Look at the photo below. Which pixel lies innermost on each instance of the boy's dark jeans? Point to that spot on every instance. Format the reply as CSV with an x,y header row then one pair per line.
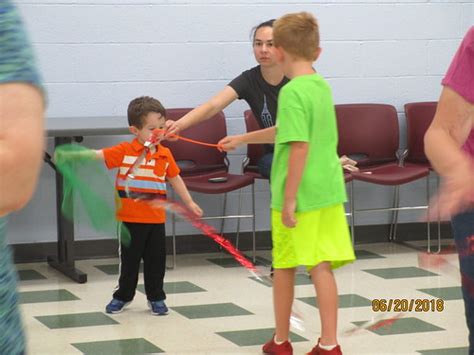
x,y
147,243
463,229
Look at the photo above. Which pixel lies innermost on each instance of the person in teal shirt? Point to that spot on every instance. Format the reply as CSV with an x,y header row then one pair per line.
x,y
21,151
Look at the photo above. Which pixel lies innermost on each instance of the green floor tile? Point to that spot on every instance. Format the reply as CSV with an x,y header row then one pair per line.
x,y
227,262
252,337
365,254
445,293
118,347
46,296
112,269
30,275
400,272
176,287
211,310
345,301
402,326
446,351
76,320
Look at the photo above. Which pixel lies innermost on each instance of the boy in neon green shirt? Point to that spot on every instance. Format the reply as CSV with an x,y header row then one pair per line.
x,y
308,220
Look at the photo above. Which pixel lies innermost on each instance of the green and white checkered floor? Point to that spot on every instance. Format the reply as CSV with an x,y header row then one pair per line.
x,y
217,307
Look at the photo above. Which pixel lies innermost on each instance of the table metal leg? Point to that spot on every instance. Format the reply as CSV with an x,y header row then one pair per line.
x,y
64,262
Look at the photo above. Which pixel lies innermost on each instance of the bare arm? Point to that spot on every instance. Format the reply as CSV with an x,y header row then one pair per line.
x,y
452,124
450,128
21,144
178,185
208,109
296,165
267,135
262,136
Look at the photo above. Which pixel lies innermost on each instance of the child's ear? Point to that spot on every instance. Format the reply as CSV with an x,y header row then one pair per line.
x,y
317,53
133,130
280,55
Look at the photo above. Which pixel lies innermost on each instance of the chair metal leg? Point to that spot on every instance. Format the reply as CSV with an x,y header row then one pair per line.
x,y
393,225
428,221
395,222
439,219
238,220
173,229
253,224
351,208
173,238
223,214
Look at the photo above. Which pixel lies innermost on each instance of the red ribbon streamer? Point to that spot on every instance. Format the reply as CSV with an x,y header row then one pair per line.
x,y
159,133
374,324
207,230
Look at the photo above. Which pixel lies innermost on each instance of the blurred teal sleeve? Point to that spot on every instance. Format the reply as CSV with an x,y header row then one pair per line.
x,y
17,62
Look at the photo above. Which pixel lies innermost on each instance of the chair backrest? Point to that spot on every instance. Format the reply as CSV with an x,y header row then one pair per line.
x,y
193,158
254,151
368,133
419,116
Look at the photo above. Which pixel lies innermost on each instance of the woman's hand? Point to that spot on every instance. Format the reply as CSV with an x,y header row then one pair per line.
x,y
230,143
456,193
172,129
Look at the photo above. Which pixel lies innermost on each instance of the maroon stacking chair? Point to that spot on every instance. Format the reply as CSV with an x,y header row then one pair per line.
x,y
419,116
249,164
199,164
254,151
369,133
191,160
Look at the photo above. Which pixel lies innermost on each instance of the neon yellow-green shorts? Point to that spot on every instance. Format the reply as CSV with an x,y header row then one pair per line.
x,y
319,235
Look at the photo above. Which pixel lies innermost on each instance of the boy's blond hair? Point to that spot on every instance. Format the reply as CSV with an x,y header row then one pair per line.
x,y
297,34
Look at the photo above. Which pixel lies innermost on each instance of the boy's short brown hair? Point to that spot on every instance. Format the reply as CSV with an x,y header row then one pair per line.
x,y
140,107
297,34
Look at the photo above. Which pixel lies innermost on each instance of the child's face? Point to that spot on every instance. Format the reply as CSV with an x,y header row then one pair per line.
x,y
152,121
263,45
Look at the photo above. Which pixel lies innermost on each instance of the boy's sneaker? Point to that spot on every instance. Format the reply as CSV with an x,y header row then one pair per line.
x,y
115,306
158,308
273,348
317,350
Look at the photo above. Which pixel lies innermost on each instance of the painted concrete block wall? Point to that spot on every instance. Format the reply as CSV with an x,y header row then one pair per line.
x,y
96,55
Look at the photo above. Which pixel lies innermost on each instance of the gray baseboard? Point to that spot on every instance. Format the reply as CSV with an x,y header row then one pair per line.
x,y
189,244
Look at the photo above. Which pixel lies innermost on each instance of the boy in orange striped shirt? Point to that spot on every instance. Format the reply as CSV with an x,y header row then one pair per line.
x,y
145,223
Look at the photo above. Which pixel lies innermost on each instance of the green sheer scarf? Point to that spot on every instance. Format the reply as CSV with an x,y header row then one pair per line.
x,y
89,194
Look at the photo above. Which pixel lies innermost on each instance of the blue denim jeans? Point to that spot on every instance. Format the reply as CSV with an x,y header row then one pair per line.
x,y
265,165
463,229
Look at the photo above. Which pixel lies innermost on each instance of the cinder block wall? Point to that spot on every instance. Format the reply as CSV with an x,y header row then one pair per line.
x,y
96,55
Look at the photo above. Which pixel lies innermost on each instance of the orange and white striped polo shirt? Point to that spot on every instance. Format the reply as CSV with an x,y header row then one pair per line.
x,y
150,178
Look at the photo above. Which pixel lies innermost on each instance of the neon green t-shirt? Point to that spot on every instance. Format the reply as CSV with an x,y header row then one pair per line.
x,y
306,114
